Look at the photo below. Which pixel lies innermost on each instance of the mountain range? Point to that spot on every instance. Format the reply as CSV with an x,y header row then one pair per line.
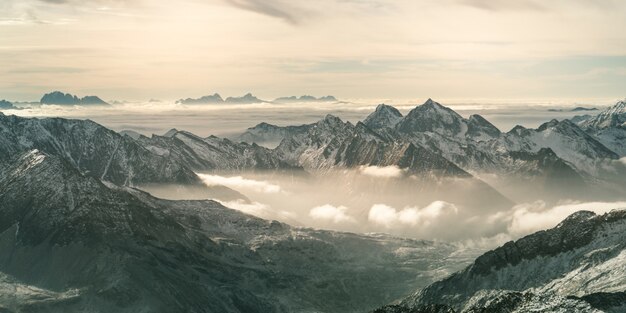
x,y
59,98
249,98
77,235
559,158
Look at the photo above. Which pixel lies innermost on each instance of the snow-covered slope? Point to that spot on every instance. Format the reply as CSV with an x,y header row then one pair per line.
x,y
91,148
201,154
70,242
565,138
269,135
578,266
385,116
609,127
614,116
432,117
333,143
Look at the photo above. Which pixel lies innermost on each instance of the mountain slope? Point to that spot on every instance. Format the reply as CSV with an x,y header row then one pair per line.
x,y
609,127
82,245
579,265
212,153
91,148
270,135
332,143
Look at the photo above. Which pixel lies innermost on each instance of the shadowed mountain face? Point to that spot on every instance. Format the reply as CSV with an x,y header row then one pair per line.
x,y
92,149
101,153
576,266
82,245
202,154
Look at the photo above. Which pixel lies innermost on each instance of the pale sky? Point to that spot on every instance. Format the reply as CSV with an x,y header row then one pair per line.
x,y
141,49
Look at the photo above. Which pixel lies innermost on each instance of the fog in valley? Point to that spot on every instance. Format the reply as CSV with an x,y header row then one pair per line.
x,y
388,200
486,210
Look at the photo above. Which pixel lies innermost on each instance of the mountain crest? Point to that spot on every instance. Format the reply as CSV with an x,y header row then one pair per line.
x,y
614,116
385,116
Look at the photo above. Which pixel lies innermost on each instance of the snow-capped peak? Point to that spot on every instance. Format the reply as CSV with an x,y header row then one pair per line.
x,y
614,116
383,116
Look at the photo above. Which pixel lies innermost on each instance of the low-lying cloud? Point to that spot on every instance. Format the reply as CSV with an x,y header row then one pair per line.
x,y
238,182
335,214
529,218
411,216
392,171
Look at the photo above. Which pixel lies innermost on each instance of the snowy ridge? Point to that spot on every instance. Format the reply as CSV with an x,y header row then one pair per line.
x,y
553,270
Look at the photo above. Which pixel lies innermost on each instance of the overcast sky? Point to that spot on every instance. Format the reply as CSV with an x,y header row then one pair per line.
x,y
140,49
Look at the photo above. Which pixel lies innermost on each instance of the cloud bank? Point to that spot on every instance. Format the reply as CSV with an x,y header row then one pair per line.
x,y
392,171
335,214
389,217
529,218
238,182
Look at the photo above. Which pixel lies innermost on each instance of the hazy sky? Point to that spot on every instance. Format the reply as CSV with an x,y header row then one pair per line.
x,y
140,49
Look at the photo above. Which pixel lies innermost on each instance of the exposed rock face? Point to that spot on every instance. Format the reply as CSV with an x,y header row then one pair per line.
x,y
59,98
268,134
578,265
202,154
332,143
92,149
384,116
608,127
614,116
73,243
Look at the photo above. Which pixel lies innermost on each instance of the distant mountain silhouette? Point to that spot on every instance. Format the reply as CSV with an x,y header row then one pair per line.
x,y
59,98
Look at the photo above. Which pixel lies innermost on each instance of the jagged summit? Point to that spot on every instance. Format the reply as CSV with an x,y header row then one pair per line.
x,y
432,117
60,98
614,116
385,116
170,133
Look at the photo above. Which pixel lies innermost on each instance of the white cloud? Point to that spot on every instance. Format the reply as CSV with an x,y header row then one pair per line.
x,y
525,219
332,213
238,182
388,216
623,160
391,171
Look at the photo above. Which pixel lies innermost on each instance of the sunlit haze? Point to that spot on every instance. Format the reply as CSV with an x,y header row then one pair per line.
x,y
141,49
